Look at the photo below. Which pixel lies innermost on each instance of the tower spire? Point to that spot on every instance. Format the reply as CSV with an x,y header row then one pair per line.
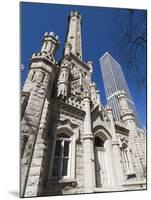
x,y
74,34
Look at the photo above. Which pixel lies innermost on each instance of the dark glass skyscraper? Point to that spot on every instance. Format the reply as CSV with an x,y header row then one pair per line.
x,y
114,80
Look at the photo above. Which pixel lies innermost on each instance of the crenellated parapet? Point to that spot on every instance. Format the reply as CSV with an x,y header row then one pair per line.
x,y
75,14
121,95
43,56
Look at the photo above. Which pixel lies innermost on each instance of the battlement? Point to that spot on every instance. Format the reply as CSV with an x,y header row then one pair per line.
x,y
121,93
75,13
52,35
43,55
127,115
120,124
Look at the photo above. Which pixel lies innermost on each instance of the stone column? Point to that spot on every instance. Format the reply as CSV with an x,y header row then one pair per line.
x,y
117,165
89,169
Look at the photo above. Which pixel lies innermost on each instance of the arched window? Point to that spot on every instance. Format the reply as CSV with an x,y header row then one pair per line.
x,y
128,167
61,163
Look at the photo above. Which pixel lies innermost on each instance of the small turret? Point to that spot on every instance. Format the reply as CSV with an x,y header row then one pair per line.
x,y
126,112
93,93
90,65
50,43
128,119
98,97
63,80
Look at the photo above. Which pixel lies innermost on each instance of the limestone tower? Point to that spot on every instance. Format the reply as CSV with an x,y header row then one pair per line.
x,y
74,33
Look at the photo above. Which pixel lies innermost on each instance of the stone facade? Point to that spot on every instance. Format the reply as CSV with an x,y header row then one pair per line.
x,y
70,142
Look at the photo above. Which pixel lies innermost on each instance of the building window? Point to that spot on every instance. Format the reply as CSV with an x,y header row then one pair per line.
x,y
128,166
61,163
126,161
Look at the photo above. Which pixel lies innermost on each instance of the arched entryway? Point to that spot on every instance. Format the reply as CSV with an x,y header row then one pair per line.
x,y
103,161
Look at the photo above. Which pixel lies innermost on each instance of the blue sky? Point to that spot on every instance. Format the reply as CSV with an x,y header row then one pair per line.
x,y
98,36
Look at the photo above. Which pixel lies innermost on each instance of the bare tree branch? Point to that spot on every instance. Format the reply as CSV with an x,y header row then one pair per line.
x,y
132,42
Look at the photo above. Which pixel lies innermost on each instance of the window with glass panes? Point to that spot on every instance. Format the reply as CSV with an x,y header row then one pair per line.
x,y
126,159
61,156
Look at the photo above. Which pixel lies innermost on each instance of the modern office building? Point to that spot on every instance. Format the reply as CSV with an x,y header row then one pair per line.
x,y
114,80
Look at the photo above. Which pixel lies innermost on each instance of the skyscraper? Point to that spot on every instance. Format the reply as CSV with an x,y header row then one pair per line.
x,y
114,80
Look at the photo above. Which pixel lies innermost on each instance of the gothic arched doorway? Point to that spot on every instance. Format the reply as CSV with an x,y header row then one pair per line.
x,y
102,163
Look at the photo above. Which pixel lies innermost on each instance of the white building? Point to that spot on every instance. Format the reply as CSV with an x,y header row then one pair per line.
x,y
114,80
69,140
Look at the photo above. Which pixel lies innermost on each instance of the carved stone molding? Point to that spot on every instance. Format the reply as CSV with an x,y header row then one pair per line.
x,y
66,124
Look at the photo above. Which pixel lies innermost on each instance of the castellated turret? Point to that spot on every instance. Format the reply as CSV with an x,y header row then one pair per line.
x,y
37,88
95,94
126,113
42,62
50,43
128,119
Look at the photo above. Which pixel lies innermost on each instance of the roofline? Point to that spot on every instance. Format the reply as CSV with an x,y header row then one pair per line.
x,y
106,53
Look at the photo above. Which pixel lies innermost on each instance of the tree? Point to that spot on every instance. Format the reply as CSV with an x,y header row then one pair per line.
x,y
131,40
